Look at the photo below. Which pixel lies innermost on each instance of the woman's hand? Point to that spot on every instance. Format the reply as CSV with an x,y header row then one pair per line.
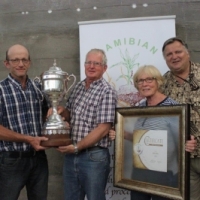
x,y
112,134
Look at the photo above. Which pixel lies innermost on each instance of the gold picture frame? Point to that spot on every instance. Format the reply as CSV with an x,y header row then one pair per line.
x,y
146,167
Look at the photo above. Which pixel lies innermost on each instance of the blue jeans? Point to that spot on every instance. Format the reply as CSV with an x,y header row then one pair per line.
x,y
15,173
85,174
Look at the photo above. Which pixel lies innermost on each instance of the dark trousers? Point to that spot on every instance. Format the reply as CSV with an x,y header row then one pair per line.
x,y
142,196
23,170
155,177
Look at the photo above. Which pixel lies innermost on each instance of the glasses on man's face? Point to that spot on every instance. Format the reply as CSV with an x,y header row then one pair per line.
x,y
17,61
96,64
147,80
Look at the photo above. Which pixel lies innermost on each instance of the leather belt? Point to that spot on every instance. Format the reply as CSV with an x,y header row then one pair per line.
x,y
93,149
20,154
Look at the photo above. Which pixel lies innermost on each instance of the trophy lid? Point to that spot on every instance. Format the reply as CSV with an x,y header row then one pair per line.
x,y
55,71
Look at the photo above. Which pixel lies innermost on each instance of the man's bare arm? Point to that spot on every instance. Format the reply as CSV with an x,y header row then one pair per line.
x,y
90,140
9,135
94,136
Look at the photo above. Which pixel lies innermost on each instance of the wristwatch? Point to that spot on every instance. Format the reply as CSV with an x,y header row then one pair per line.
x,y
75,149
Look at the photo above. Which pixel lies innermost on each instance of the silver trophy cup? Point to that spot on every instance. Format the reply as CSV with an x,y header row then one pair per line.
x,y
55,87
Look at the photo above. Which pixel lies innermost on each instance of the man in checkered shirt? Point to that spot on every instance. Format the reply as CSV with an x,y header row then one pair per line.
x,y
23,161
90,110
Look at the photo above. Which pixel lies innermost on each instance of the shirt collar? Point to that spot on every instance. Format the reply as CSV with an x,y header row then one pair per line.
x,y
93,84
17,83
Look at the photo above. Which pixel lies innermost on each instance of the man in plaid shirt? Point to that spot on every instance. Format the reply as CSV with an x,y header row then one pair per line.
x,y
23,161
90,110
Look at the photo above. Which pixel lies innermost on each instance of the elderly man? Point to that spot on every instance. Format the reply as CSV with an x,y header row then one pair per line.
x,y
22,160
182,83
90,110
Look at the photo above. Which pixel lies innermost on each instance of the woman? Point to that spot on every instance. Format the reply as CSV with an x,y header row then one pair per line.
x,y
148,81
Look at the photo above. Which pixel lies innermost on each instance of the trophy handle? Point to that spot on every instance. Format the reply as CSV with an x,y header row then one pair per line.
x,y
67,79
37,79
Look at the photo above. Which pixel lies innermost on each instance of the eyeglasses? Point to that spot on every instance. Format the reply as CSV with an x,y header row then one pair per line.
x,y
17,61
96,64
172,40
147,80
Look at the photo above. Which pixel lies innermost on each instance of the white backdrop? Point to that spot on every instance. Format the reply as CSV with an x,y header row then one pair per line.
x,y
128,43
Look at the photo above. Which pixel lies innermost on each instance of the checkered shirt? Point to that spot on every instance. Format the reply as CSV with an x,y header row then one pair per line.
x,y
90,107
20,111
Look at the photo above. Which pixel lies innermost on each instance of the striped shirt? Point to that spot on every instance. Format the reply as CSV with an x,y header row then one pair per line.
x,y
166,102
90,107
20,111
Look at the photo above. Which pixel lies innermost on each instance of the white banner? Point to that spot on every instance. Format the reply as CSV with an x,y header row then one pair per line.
x,y
128,43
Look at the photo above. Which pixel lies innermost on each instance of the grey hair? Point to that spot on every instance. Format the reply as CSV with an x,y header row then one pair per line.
x,y
171,41
102,52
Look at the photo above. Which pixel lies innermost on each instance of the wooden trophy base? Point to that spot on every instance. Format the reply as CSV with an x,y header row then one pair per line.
x,y
56,140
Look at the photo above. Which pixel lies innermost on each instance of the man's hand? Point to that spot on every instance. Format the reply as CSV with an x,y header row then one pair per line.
x,y
49,112
66,149
191,145
35,142
60,110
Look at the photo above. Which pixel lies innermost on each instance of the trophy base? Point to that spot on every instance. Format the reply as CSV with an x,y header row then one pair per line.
x,y
56,140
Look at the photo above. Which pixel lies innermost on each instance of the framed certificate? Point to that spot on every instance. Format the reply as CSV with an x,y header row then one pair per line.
x,y
150,154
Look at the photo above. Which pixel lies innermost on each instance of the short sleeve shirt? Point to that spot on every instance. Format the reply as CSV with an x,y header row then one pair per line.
x,y
90,107
183,94
20,111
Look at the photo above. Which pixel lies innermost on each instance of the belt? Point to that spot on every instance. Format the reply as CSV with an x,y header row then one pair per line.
x,y
20,154
93,149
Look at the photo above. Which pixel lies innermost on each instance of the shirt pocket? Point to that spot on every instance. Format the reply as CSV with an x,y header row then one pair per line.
x,y
89,113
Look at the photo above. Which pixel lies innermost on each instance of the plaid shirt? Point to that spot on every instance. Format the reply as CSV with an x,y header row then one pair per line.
x,y
20,111
90,107
183,94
